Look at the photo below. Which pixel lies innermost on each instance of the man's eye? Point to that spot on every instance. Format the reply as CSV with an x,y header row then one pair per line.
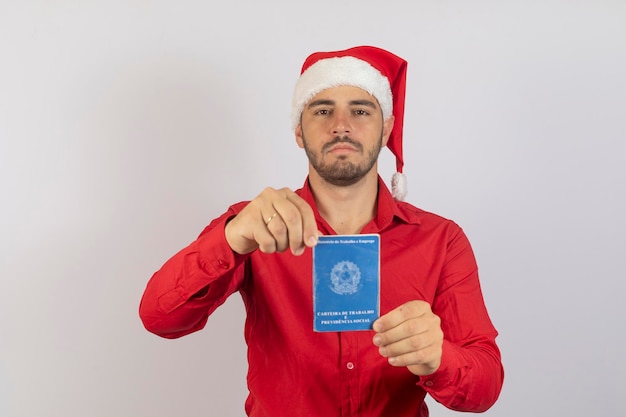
x,y
361,112
323,112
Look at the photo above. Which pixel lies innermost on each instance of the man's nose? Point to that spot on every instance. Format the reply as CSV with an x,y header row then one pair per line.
x,y
341,124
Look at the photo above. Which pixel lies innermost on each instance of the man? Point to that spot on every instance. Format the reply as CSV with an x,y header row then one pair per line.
x,y
433,336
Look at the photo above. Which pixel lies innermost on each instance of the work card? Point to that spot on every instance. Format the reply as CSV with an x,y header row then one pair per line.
x,y
346,282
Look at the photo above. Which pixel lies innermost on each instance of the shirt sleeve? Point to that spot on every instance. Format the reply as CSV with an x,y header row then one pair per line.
x,y
470,376
180,296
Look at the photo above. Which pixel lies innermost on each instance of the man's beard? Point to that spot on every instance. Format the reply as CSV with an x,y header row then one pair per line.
x,y
342,172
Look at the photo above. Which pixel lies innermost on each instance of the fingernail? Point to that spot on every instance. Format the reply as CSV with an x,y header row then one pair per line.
x,y
312,241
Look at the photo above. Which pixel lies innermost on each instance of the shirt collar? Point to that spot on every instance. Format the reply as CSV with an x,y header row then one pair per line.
x,y
388,208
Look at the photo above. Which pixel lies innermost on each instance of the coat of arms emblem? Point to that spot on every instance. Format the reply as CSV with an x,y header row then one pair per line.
x,y
345,278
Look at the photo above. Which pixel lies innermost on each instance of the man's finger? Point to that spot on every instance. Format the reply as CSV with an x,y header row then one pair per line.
x,y
402,342
288,231
309,225
395,317
300,220
279,230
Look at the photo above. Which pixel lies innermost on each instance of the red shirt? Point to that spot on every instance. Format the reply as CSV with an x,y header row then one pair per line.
x,y
294,371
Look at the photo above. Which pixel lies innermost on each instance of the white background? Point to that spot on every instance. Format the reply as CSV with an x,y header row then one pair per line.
x,y
126,126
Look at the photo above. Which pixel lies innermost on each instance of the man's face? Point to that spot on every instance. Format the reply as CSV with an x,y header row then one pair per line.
x,y
342,133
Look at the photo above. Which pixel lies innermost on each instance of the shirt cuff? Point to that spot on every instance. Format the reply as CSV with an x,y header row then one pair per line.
x,y
446,375
215,252
206,260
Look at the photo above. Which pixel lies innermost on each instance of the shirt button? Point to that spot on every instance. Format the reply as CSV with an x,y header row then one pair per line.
x,y
223,264
350,365
428,383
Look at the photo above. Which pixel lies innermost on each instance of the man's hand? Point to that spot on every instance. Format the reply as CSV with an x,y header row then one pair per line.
x,y
276,220
411,336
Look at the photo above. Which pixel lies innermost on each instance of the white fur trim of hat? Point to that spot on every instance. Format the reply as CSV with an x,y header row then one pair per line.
x,y
336,71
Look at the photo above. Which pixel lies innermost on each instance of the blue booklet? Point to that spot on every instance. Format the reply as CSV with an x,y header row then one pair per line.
x,y
346,282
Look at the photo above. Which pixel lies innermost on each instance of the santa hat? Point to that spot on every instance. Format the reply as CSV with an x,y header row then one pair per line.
x,y
379,72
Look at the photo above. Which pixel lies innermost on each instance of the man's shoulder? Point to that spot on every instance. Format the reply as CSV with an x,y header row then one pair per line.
x,y
422,216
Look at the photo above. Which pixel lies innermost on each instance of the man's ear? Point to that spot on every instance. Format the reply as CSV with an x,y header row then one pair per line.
x,y
298,133
387,128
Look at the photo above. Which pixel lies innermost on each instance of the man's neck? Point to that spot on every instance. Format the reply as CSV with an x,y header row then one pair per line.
x,y
347,209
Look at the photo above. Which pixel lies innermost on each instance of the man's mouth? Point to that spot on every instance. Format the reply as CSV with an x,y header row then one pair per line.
x,y
342,144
